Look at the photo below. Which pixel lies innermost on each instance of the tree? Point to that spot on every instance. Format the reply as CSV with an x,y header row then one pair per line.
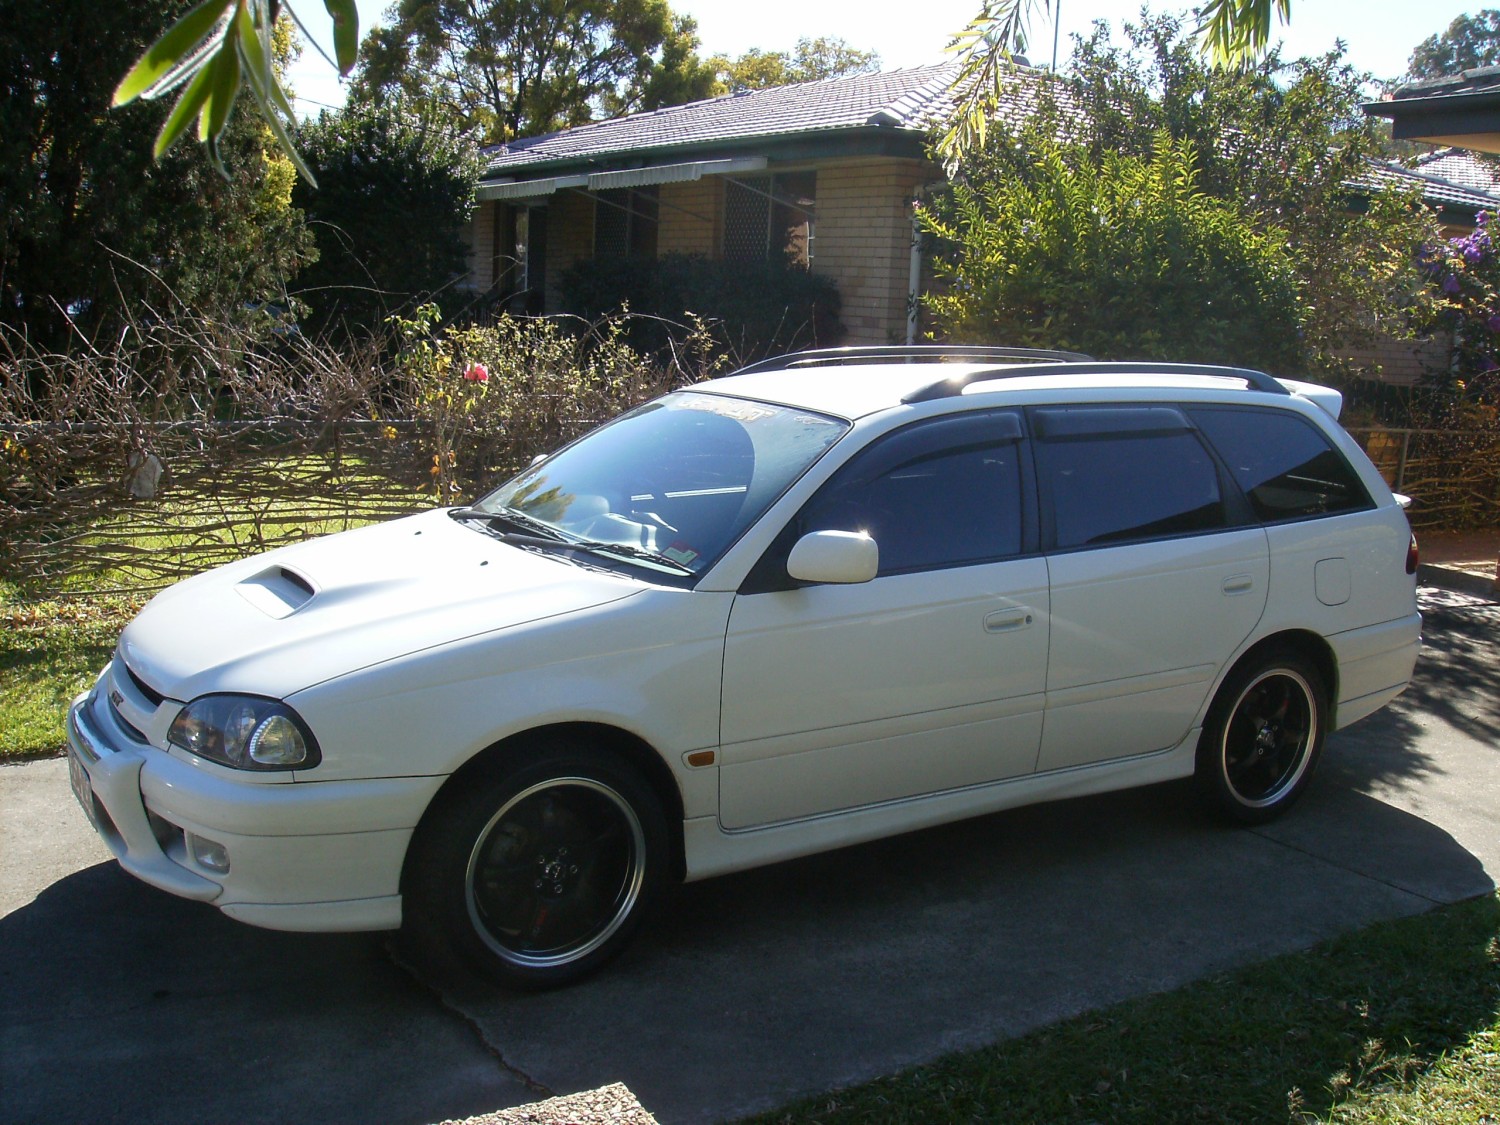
x,y
519,68
811,61
1234,32
1119,256
1287,139
91,226
395,190
1469,42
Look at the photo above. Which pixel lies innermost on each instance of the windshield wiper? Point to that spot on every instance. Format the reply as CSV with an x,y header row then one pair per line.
x,y
534,533
528,525
630,551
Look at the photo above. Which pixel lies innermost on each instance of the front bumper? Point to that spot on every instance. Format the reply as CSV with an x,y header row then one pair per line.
x,y
301,855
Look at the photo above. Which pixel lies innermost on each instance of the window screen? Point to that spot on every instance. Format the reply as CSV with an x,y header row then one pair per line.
x,y
1284,465
939,495
625,222
1127,483
770,218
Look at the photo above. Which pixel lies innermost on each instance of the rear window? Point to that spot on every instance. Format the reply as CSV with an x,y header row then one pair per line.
x,y
1117,475
1284,464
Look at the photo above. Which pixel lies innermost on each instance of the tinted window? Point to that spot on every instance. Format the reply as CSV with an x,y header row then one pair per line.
x,y
1284,465
1126,479
946,493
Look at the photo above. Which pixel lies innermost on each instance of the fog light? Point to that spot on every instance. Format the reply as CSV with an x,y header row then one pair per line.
x,y
207,853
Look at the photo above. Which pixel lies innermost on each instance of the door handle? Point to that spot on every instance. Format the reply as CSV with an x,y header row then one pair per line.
x,y
1007,620
1238,584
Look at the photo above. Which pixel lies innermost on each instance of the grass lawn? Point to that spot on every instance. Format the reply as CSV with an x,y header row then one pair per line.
x,y
50,651
1398,1024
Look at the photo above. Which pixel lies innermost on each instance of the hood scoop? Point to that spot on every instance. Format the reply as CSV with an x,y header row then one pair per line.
x,y
277,591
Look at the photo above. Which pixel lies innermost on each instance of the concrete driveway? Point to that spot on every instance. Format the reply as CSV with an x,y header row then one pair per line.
x,y
121,1003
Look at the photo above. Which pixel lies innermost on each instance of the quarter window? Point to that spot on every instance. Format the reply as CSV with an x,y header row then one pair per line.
x,y
1284,465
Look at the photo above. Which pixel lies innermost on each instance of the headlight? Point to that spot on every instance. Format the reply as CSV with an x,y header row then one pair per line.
x,y
245,732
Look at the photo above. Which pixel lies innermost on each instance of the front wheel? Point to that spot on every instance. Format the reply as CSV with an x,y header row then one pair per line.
x,y
1262,738
540,872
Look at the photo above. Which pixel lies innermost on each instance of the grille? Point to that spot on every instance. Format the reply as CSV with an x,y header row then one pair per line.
x,y
155,697
130,731
747,219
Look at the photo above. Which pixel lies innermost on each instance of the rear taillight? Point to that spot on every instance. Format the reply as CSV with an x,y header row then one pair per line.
x,y
1411,556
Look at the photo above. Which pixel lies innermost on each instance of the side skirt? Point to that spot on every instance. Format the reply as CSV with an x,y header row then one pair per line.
x,y
712,851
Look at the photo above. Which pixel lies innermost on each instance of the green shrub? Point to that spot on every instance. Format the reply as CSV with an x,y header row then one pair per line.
x,y
1121,257
754,309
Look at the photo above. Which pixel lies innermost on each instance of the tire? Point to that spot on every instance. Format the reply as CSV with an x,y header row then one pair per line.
x,y
537,873
1262,738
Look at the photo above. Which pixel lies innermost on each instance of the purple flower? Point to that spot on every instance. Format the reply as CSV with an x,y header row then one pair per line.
x,y
1450,284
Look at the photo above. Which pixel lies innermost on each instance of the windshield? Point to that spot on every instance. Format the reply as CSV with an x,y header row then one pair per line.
x,y
676,480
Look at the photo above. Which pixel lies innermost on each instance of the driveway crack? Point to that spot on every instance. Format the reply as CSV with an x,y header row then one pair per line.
x,y
445,1002
1352,870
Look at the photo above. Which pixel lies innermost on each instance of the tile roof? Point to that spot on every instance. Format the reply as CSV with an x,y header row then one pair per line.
x,y
910,101
1435,189
1478,80
1461,167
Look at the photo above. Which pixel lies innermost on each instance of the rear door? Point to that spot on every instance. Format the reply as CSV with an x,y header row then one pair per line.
x,y
1158,573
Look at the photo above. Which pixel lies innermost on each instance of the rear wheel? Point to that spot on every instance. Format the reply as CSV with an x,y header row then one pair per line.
x,y
1262,739
538,873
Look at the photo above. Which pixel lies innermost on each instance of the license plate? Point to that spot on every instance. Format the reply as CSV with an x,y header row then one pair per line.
x,y
83,789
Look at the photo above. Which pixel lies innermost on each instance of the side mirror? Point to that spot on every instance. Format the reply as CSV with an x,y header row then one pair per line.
x,y
834,556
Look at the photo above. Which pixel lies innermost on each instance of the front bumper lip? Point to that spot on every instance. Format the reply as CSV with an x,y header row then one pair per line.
x,y
114,779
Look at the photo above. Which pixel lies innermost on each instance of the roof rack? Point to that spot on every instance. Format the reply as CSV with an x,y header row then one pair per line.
x,y
943,388
911,353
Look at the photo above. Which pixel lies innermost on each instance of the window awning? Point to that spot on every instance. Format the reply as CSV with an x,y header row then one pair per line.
x,y
528,189
625,178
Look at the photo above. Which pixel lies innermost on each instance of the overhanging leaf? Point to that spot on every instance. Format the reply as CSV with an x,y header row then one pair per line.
x,y
187,108
170,50
345,32
224,88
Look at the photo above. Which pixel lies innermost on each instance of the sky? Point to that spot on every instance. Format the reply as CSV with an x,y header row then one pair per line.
x,y
1380,34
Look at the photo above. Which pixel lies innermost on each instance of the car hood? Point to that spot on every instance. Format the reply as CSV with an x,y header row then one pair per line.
x,y
286,620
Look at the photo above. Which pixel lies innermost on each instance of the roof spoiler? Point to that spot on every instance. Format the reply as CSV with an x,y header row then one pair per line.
x,y
1329,399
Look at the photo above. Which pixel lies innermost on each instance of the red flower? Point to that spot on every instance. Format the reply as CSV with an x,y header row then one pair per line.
x,y
477,373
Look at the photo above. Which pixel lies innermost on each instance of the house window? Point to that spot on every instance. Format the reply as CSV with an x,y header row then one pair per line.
x,y
520,249
625,222
770,218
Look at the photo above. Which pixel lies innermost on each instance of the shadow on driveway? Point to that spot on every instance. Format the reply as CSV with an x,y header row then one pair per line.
x,y
119,1003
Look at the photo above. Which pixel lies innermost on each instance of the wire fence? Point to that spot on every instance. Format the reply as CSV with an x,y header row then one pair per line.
x,y
1452,476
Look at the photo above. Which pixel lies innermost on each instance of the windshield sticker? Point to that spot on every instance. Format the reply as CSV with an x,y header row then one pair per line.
x,y
680,553
738,411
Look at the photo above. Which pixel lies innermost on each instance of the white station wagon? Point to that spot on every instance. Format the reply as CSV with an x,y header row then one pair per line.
x,y
835,596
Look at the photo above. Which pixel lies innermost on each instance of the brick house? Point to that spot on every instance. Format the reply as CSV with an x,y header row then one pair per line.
x,y
823,171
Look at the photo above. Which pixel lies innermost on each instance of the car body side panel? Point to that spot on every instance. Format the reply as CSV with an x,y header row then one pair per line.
x,y
713,851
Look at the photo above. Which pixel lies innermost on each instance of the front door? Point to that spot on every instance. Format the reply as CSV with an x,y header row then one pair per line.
x,y
929,677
